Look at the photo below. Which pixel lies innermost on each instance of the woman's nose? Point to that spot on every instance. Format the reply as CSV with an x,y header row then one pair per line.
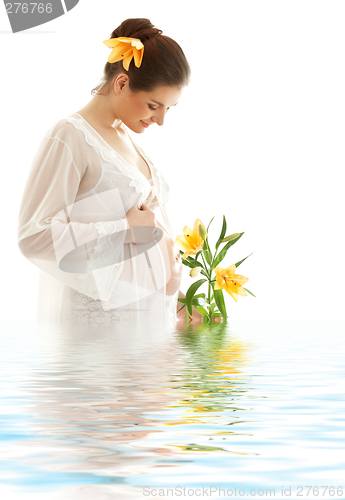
x,y
159,117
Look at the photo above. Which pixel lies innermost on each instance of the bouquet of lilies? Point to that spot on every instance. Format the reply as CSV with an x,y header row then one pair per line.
x,y
195,242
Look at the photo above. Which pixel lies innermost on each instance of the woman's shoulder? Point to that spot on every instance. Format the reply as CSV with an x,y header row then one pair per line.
x,y
64,129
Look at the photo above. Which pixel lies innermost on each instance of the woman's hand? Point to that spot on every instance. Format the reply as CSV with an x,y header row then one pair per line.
x,y
196,317
142,225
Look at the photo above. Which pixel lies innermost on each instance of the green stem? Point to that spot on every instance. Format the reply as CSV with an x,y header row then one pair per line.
x,y
215,255
208,272
205,267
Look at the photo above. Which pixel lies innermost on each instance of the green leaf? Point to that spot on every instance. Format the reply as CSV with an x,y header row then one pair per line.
x,y
196,264
198,302
191,263
240,262
201,310
191,292
189,258
181,308
249,292
207,257
206,253
222,233
210,223
219,298
198,253
209,252
223,252
187,263
230,237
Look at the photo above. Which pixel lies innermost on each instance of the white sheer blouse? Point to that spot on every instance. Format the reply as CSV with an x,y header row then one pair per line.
x,y
73,226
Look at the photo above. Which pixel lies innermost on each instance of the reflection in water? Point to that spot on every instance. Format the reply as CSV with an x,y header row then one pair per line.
x,y
102,413
101,400
213,383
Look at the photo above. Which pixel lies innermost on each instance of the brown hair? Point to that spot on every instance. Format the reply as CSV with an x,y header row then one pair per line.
x,y
163,64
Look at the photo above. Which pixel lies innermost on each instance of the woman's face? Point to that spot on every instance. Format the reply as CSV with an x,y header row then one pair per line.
x,y
139,110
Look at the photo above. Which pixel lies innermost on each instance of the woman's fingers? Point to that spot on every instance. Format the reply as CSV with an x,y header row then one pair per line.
x,y
196,317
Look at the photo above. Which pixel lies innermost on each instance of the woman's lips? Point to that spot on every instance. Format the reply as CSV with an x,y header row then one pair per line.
x,y
145,124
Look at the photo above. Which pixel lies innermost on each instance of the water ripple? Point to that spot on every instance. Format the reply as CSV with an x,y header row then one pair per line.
x,y
96,412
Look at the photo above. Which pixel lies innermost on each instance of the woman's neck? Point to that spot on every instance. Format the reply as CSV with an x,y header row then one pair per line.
x,y
100,111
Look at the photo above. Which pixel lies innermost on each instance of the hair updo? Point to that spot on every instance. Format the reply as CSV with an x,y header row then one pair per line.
x,y
163,63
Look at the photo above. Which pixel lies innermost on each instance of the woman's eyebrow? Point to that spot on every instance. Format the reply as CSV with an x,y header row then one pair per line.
x,y
159,104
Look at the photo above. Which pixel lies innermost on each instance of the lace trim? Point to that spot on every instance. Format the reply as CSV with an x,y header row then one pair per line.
x,y
103,245
87,285
162,187
110,156
108,227
87,311
152,197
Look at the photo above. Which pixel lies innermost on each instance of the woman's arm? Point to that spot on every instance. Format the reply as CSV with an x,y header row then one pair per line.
x,y
58,234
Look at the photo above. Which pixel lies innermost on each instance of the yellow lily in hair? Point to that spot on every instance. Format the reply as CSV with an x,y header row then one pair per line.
x,y
190,240
231,282
125,48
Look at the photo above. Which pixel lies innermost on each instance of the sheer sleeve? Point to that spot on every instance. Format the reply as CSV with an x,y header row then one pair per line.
x,y
63,236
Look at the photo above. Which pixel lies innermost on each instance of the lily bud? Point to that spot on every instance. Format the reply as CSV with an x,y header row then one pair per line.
x,y
202,232
194,272
231,237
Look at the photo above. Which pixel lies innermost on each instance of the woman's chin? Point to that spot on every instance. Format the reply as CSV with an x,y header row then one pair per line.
x,y
138,128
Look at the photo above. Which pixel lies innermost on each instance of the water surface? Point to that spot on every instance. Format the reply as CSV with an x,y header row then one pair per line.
x,y
131,413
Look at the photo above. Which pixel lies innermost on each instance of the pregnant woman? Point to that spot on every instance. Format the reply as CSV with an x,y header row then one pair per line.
x,y
94,215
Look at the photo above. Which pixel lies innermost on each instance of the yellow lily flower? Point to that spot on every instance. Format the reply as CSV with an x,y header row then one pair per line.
x,y
190,240
231,282
125,48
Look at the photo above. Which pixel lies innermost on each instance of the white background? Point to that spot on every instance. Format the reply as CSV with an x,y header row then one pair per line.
x,y
257,136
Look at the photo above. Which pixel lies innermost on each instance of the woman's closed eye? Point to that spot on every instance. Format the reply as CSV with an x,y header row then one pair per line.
x,y
154,109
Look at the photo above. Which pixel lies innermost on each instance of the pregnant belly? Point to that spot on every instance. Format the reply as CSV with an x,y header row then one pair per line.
x,y
172,261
